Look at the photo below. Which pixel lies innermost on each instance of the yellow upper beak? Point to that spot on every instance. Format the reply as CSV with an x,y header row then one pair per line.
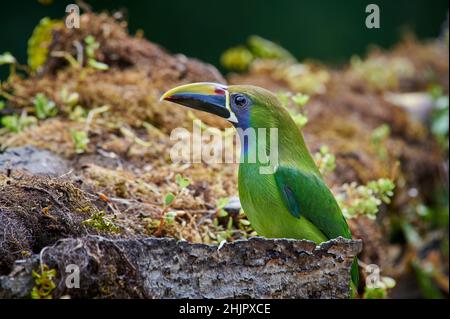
x,y
204,96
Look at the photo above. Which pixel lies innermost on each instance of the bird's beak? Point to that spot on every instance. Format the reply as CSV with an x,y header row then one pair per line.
x,y
208,97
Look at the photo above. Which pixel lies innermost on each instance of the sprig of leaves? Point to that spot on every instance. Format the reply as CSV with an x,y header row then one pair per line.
x,y
299,100
44,107
80,140
182,183
43,283
7,58
356,200
16,123
440,116
325,160
168,217
91,46
378,139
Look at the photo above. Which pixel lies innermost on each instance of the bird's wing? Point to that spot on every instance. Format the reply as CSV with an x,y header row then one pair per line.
x,y
307,196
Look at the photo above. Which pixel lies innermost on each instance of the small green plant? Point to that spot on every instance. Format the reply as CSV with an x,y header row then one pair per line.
x,y
70,102
221,203
365,200
226,226
377,286
80,140
43,107
245,225
43,283
380,292
326,161
440,116
300,99
8,59
78,113
182,183
91,46
168,217
69,99
99,221
2,105
299,116
16,123
425,274
284,97
378,139
168,200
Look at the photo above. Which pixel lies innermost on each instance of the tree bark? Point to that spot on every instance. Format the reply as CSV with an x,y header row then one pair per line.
x,y
166,268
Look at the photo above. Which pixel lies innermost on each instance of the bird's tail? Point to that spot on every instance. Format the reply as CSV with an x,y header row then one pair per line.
x,y
355,279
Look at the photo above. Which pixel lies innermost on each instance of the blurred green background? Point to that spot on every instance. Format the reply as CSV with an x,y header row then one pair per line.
x,y
328,30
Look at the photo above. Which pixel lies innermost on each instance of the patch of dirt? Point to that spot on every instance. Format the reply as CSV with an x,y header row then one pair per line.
x,y
36,212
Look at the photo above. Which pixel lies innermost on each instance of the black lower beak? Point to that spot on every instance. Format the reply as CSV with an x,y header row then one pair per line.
x,y
207,97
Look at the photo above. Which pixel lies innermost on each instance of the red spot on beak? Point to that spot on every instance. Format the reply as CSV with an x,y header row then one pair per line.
x,y
219,91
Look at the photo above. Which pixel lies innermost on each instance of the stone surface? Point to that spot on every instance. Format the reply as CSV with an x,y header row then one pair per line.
x,y
34,161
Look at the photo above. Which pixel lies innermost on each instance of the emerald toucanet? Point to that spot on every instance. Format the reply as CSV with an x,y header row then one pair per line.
x,y
291,202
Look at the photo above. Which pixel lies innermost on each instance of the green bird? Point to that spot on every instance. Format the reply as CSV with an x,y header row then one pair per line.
x,y
291,200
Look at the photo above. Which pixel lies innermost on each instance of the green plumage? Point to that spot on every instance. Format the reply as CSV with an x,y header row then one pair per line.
x,y
294,202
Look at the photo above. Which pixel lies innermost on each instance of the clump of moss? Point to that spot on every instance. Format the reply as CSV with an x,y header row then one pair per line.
x,y
39,42
381,73
43,283
262,56
101,222
237,58
241,57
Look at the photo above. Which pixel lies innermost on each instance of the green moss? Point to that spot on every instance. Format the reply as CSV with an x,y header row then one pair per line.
x,y
99,221
237,59
40,41
43,283
241,57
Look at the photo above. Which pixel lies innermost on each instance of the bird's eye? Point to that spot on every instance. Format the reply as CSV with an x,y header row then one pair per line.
x,y
240,100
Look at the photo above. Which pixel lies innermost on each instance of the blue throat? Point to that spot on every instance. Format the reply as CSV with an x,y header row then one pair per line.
x,y
243,124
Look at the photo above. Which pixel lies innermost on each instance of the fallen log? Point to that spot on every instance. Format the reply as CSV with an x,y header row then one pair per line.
x,y
166,268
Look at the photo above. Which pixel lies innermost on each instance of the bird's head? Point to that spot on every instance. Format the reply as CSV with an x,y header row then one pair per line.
x,y
242,105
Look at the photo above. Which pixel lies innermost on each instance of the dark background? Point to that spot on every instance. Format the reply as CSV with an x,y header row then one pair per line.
x,y
329,30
